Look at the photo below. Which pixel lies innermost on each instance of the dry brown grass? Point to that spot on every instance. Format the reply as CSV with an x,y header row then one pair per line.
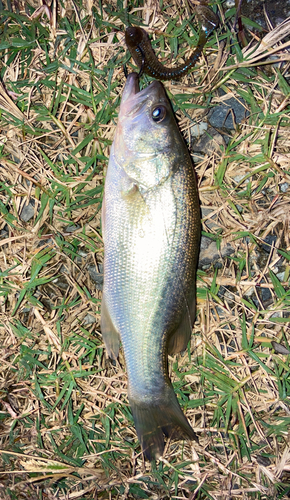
x,y
65,426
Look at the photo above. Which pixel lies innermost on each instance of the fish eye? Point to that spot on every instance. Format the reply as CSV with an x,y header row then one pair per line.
x,y
158,114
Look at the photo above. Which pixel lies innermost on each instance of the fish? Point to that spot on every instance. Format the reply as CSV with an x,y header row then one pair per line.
x,y
140,48
151,231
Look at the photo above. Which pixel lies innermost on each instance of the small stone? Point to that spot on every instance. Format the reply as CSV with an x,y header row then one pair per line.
x,y
228,113
197,130
265,461
220,311
27,212
26,310
229,295
189,482
209,222
197,158
205,242
96,276
71,229
249,292
209,142
280,276
211,254
4,232
275,315
284,187
267,242
238,178
82,253
46,243
279,348
61,282
227,250
222,291
230,4
265,294
89,319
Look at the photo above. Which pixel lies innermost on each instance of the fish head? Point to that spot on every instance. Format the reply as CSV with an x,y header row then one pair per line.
x,y
146,139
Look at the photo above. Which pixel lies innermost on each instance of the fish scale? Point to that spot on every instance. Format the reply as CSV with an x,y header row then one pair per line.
x,y
151,230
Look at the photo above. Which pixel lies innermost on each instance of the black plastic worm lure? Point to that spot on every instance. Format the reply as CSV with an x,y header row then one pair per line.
x,y
141,50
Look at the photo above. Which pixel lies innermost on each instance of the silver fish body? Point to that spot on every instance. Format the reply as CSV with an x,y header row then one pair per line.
x,y
151,230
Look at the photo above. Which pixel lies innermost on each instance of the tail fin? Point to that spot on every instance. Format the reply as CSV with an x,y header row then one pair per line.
x,y
158,418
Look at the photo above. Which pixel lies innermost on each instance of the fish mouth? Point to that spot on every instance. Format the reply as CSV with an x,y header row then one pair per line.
x,y
133,98
131,87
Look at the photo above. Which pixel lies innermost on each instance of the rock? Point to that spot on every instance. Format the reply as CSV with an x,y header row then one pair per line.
x,y
209,222
248,293
97,276
265,461
4,232
71,229
46,243
284,187
198,129
197,158
280,276
89,319
61,282
205,242
82,254
267,242
227,114
230,4
238,178
276,315
264,296
27,212
211,254
229,295
209,142
279,348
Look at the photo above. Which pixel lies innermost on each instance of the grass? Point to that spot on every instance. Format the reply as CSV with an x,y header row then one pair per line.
x,y
66,429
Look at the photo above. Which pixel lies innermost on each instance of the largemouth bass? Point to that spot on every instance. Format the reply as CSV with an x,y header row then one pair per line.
x,y
151,230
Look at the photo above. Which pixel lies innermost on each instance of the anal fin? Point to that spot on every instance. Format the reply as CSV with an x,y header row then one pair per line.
x,y
179,339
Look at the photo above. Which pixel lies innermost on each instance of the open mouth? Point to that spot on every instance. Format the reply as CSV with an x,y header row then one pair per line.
x,y
132,87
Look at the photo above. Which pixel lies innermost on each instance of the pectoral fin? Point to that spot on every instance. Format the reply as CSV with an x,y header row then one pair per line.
x,y
180,337
110,334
